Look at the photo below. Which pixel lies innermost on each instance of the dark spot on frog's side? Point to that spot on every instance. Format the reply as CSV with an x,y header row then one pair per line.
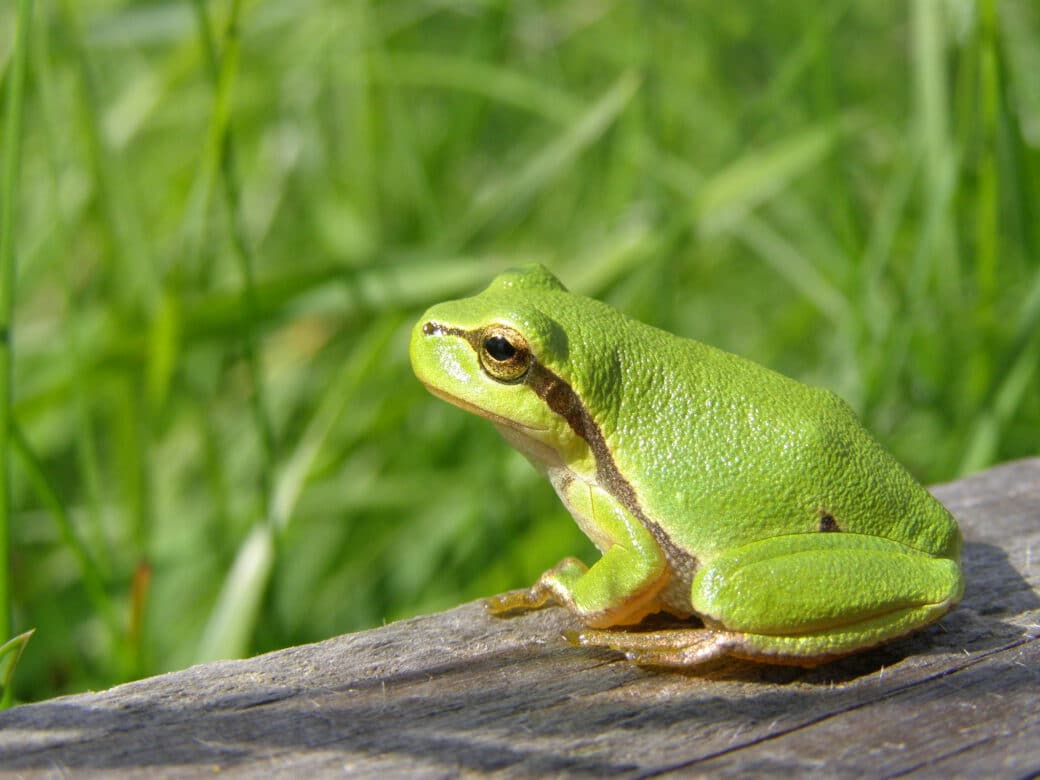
x,y
827,523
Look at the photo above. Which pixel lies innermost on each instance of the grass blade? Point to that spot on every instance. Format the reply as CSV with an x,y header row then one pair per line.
x,y
521,185
11,162
47,493
222,145
725,198
229,631
10,654
489,81
336,400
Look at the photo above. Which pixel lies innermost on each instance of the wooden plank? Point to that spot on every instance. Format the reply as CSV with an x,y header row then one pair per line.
x,y
461,692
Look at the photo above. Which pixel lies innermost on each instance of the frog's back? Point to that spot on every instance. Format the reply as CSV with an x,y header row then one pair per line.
x,y
719,449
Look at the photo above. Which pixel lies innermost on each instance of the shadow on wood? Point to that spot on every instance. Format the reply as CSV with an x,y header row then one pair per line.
x,y
461,691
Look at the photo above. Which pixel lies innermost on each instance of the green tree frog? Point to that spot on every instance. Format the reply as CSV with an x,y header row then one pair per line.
x,y
713,487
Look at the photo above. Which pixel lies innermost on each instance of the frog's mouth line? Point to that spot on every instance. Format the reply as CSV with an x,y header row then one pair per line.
x,y
480,411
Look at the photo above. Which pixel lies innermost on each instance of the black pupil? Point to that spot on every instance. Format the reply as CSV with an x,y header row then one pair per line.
x,y
499,348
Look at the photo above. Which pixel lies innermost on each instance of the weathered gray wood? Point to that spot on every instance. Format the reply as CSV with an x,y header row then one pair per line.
x,y
460,692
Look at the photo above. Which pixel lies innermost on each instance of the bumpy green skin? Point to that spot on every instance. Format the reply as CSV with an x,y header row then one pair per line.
x,y
753,501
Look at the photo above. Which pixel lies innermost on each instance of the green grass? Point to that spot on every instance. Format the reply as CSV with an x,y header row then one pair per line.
x,y
229,214
12,648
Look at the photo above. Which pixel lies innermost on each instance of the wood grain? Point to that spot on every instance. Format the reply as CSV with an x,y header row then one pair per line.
x,y
463,693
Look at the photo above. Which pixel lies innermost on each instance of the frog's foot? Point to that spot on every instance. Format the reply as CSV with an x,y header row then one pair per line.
x,y
552,588
672,647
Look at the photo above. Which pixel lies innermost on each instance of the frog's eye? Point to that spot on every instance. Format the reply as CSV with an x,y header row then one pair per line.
x,y
504,353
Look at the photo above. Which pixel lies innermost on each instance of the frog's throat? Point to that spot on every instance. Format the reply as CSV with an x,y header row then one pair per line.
x,y
560,397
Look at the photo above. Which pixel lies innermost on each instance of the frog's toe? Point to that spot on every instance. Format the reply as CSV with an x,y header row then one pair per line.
x,y
516,601
677,647
690,655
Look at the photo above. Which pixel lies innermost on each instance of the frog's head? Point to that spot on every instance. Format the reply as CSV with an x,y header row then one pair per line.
x,y
500,355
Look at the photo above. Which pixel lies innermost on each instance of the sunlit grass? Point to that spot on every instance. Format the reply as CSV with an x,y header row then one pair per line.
x,y
230,213
10,165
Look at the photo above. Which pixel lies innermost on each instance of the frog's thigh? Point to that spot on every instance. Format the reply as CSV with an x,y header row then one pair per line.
x,y
823,594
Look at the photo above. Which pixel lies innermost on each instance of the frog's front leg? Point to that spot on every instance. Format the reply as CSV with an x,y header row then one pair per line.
x,y
800,599
621,588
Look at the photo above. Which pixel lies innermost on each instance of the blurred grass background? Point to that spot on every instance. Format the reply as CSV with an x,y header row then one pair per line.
x,y
229,213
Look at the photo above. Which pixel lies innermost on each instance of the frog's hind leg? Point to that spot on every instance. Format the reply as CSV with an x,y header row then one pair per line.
x,y
800,600
671,647
808,598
